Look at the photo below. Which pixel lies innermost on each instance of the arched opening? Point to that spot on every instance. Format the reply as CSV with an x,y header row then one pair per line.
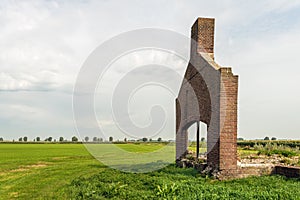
x,y
197,140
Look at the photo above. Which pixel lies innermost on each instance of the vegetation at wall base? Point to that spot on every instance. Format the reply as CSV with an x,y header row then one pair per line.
x,y
177,183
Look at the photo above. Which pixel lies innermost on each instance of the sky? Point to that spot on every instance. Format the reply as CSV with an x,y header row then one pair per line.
x,y
43,45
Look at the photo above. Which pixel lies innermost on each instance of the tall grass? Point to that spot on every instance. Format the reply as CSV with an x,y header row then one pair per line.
x,y
271,149
178,183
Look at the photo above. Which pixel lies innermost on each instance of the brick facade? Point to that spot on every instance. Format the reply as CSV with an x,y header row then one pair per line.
x,y
208,94
288,171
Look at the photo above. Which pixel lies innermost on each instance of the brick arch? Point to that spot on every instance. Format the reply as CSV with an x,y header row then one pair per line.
x,y
189,124
194,85
208,94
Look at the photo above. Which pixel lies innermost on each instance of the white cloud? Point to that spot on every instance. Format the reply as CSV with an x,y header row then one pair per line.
x,y
40,81
44,43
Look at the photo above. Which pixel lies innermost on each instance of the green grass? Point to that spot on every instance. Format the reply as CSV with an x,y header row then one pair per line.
x,y
42,171
202,147
135,158
272,149
176,183
68,171
140,147
246,152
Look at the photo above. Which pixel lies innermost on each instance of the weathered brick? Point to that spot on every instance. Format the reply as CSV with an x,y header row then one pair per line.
x,y
209,94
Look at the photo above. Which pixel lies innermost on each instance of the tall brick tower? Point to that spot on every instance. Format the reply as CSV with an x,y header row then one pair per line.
x,y
203,32
209,93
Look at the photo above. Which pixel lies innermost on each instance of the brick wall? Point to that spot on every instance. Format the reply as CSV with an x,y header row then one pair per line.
x,y
288,171
243,172
203,31
209,94
228,119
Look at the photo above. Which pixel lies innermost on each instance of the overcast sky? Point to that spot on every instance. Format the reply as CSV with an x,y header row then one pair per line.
x,y
43,44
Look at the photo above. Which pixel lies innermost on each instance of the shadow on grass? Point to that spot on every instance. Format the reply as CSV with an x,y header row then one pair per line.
x,y
100,166
164,169
141,167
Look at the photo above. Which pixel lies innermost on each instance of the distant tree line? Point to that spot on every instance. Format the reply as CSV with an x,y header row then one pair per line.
x,y
85,139
38,139
111,139
266,138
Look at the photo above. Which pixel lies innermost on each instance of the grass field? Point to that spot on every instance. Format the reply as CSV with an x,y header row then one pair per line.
x,y
41,171
44,170
68,171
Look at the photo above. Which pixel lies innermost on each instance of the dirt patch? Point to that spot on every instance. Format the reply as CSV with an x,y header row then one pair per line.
x,y
59,158
38,165
18,170
270,160
25,168
14,194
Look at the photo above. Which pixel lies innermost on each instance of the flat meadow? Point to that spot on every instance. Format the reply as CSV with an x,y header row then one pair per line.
x,y
69,171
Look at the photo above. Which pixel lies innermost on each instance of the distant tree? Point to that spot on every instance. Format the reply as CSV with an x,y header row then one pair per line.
x,y
61,139
125,139
273,138
111,139
159,139
240,139
86,138
50,139
202,139
25,139
74,139
37,139
1,139
150,139
144,139
100,139
20,139
95,139
267,138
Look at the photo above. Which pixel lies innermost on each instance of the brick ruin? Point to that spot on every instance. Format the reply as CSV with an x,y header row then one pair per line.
x,y
208,94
